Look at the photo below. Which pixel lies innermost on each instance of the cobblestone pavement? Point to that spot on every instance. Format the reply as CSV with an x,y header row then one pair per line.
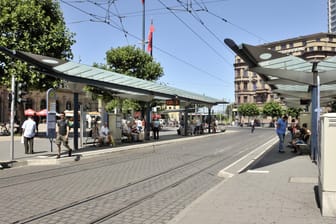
x,y
147,185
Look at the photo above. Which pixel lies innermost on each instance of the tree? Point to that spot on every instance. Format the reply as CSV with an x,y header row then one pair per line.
x,y
133,61
272,109
248,109
293,112
35,26
130,61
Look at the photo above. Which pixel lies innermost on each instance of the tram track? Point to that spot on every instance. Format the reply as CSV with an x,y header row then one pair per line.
x,y
66,170
130,195
208,163
100,195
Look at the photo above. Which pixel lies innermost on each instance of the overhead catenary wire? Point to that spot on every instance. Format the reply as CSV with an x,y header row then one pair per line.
x,y
193,31
103,20
192,12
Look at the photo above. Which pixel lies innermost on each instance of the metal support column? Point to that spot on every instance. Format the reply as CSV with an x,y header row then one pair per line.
x,y
148,121
75,124
209,124
12,118
185,121
315,112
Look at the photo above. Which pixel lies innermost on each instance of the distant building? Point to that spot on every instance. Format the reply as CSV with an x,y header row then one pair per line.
x,y
332,16
250,88
37,101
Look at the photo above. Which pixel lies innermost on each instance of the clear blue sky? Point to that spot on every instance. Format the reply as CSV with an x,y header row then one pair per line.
x,y
193,56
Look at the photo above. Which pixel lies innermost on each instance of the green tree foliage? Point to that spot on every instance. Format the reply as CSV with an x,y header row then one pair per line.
x,y
272,109
35,26
293,112
130,61
133,61
248,109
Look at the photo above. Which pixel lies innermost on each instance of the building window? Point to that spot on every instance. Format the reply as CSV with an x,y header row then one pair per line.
x,y
245,85
43,104
319,48
245,99
254,86
245,73
57,105
237,73
311,49
29,104
68,105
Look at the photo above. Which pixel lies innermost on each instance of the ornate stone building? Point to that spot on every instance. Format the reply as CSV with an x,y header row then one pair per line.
x,y
37,101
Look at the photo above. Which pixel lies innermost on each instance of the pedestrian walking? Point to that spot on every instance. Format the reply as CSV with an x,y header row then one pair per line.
x,y
252,126
37,120
28,130
63,135
156,128
281,127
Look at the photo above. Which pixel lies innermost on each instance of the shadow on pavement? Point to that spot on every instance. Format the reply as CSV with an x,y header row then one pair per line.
x,y
273,156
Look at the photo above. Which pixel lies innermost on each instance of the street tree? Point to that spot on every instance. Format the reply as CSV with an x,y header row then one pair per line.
x,y
131,61
35,26
272,109
293,111
248,109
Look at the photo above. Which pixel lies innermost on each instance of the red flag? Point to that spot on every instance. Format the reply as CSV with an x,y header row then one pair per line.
x,y
150,39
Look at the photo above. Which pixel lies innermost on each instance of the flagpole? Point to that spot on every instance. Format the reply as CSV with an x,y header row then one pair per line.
x,y
143,25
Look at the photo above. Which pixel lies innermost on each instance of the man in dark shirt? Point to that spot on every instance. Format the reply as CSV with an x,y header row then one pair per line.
x,y
62,135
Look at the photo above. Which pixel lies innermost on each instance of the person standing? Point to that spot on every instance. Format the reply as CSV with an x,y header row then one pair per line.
x,y
156,128
63,135
281,127
28,129
252,125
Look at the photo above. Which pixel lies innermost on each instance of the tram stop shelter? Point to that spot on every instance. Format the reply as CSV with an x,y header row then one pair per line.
x,y
297,80
116,84
293,79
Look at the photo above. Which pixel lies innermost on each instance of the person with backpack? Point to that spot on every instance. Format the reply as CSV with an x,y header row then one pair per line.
x,y
63,135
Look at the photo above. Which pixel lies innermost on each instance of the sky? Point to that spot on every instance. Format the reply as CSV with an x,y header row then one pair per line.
x,y
188,40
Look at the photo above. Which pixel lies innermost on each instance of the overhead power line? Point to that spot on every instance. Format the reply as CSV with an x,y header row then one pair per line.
x,y
126,33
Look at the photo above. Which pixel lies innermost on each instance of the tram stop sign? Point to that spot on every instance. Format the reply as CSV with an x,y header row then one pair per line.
x,y
51,113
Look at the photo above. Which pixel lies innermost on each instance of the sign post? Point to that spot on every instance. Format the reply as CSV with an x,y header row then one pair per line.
x,y
51,115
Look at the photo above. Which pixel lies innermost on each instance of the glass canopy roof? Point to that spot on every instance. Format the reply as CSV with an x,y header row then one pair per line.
x,y
119,84
289,76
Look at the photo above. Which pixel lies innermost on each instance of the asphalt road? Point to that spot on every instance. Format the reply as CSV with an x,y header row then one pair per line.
x,y
147,185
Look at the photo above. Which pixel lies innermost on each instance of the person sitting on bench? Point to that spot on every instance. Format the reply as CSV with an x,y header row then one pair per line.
x,y
105,137
301,138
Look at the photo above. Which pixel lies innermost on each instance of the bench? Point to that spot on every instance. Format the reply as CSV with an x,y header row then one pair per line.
x,y
304,145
